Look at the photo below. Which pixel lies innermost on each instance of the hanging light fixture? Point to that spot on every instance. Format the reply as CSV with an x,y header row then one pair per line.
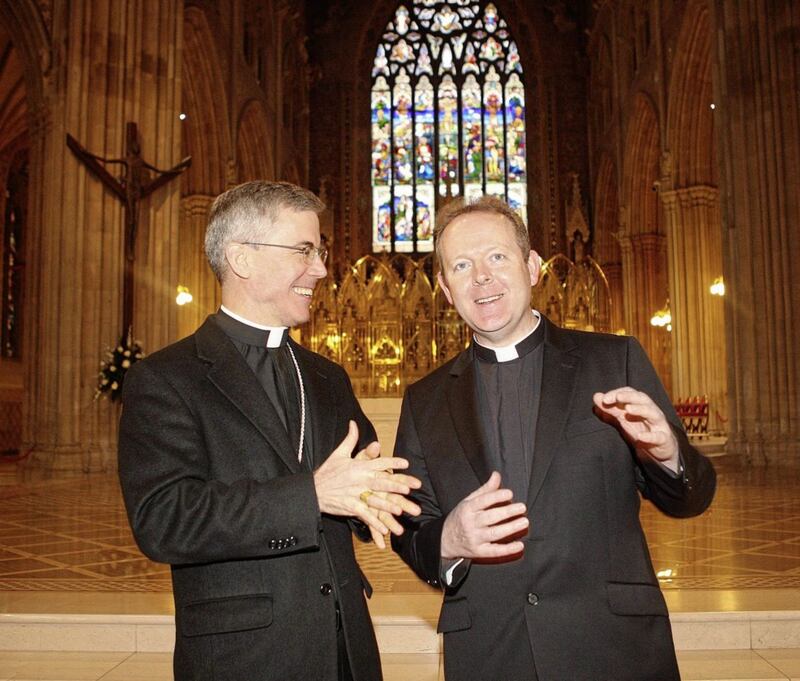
x,y
717,288
183,296
662,318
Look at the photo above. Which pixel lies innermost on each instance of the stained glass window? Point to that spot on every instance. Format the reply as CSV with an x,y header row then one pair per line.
x,y
448,118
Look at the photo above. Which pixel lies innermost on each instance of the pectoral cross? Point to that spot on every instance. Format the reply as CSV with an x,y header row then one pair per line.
x,y
138,181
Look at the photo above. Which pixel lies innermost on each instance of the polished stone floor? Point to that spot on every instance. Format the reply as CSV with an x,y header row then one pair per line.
x,y
720,665
72,535
65,545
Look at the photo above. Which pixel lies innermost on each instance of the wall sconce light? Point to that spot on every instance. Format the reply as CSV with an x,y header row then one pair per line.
x,y
718,287
662,318
183,296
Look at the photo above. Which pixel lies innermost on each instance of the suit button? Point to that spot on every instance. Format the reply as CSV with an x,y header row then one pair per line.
x,y
533,599
325,589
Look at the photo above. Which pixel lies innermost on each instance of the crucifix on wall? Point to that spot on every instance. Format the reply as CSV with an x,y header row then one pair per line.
x,y
139,179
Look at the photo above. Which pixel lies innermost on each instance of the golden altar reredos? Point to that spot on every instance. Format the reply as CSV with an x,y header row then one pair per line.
x,y
387,322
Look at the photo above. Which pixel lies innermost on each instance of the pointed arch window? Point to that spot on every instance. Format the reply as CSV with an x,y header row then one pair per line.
x,y
448,118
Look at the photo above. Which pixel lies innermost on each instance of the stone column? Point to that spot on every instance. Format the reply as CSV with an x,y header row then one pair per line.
x,y
643,256
116,62
698,321
613,272
195,273
759,139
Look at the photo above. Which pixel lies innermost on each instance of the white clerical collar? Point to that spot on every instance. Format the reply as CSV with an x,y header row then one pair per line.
x,y
506,353
275,336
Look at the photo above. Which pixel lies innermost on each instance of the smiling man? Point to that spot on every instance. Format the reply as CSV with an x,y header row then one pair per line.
x,y
235,459
533,446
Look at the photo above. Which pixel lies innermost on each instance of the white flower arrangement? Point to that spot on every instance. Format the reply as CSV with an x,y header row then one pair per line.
x,y
114,367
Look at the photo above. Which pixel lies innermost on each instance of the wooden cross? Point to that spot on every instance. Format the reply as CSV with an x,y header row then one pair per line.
x,y
134,185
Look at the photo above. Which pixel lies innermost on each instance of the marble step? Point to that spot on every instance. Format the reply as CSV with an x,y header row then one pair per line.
x,y
404,623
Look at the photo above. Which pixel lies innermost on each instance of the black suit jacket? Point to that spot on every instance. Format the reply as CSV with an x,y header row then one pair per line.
x,y
212,486
583,602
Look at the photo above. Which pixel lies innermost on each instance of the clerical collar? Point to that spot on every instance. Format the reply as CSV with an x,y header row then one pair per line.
x,y
248,332
508,353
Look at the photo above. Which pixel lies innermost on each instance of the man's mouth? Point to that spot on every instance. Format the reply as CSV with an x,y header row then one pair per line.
x,y
488,299
303,291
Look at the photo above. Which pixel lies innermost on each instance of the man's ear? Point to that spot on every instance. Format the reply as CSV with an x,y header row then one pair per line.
x,y
534,267
443,286
238,258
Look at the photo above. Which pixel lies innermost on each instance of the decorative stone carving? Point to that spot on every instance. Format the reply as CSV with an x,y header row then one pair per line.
x,y
577,230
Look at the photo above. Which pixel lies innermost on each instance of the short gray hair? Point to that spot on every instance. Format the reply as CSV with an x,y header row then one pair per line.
x,y
237,215
484,204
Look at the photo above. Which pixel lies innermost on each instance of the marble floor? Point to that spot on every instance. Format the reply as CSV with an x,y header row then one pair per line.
x,y
725,665
65,547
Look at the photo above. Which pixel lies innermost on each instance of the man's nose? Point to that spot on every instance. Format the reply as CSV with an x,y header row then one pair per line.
x,y
482,276
317,268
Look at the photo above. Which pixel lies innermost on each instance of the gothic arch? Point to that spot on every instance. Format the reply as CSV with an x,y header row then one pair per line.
x,y
642,155
355,163
205,130
26,61
606,213
23,21
692,212
606,245
254,153
205,136
690,124
294,114
601,82
643,240
13,101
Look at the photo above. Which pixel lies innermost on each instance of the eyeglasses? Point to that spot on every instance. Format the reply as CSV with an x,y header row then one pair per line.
x,y
309,251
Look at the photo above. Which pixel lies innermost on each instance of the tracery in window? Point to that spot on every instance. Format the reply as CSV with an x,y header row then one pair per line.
x,y
448,118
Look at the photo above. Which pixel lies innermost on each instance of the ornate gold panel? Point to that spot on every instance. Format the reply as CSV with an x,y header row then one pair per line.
x,y
388,323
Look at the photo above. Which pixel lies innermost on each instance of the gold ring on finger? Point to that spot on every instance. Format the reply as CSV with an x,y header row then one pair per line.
x,y
365,495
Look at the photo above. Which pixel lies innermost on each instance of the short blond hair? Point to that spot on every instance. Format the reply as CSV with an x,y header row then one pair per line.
x,y
484,204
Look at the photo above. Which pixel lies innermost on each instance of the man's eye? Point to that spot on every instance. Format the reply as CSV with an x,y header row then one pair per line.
x,y
497,257
459,267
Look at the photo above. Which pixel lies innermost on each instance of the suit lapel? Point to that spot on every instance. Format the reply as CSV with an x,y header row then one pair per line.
x,y
462,399
230,374
560,368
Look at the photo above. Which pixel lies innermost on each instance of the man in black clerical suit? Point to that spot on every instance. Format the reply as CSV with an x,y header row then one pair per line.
x,y
533,446
235,462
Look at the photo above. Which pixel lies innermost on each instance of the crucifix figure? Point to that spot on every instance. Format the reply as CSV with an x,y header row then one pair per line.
x,y
135,184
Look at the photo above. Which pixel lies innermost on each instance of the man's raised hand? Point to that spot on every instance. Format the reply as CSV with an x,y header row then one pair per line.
x,y
479,524
365,486
642,423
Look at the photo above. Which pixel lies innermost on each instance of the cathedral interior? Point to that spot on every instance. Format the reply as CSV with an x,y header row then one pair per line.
x,y
652,147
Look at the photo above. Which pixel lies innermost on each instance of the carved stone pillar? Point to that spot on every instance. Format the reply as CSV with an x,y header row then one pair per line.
x,y
116,62
645,289
613,272
759,138
698,319
195,273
